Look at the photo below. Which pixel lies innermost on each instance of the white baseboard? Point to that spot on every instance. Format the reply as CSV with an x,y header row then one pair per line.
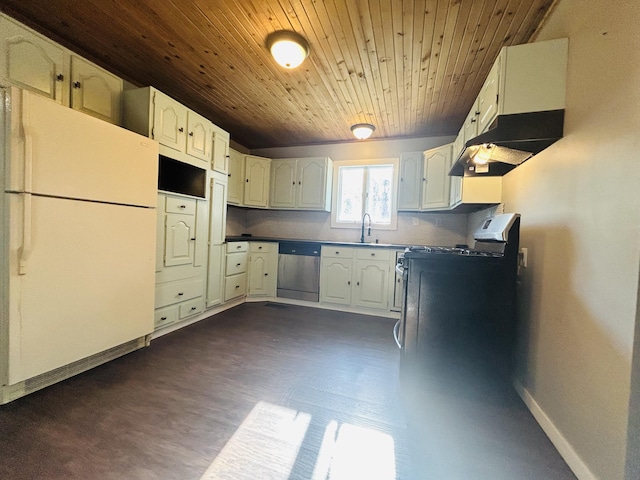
x,y
576,464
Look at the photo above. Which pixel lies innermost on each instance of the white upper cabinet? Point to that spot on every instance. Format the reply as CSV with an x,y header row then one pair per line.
x,y
410,178
235,192
487,102
220,155
95,91
34,62
283,184
525,78
256,185
301,183
436,180
169,121
31,61
199,136
182,133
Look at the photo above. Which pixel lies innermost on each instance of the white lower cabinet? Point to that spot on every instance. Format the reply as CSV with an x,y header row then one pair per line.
x,y
355,276
263,268
215,275
235,280
181,257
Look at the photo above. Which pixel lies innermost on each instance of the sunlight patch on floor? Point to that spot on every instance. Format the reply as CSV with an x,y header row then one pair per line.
x,y
267,445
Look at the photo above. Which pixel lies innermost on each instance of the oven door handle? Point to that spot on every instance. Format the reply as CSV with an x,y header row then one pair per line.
x,y
396,329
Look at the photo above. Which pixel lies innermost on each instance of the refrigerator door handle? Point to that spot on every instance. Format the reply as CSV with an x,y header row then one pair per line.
x,y
28,148
25,250
396,328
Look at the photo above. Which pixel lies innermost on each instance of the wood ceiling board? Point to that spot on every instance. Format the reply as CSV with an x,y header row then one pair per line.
x,y
410,67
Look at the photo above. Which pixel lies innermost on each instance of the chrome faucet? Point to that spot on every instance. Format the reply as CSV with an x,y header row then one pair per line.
x,y
368,231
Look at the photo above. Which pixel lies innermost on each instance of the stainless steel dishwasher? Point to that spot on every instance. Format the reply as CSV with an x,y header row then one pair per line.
x,y
299,271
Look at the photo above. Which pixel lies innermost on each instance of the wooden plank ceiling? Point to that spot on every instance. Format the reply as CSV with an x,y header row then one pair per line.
x,y
410,67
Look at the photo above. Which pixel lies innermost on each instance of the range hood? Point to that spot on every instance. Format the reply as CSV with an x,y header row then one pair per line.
x,y
511,140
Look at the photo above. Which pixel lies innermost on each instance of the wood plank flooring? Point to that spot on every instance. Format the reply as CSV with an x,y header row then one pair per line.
x,y
269,391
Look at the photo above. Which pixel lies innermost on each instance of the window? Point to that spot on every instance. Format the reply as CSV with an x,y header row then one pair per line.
x,y
365,187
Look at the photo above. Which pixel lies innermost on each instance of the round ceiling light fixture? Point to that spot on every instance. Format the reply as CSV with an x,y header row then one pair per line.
x,y
288,48
362,131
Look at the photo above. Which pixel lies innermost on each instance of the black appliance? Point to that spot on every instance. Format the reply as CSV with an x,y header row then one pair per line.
x,y
459,304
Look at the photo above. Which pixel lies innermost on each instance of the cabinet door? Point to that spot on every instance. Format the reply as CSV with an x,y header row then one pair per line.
x,y
410,181
259,274
30,61
169,122
95,91
283,184
201,234
235,193
215,275
488,97
312,183
335,281
220,159
455,186
256,187
199,138
436,180
218,209
470,127
371,289
179,238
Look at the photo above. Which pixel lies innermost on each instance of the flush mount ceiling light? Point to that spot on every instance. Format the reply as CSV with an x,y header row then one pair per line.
x,y
362,131
288,48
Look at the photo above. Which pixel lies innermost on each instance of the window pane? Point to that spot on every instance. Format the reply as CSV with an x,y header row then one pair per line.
x,y
350,194
379,197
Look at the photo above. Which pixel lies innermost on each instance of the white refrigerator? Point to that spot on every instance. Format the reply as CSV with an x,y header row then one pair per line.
x,y
77,239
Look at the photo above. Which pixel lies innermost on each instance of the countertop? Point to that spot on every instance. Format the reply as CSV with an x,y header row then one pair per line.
x,y
243,238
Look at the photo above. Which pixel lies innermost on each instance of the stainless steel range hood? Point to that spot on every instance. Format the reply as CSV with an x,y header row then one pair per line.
x,y
511,140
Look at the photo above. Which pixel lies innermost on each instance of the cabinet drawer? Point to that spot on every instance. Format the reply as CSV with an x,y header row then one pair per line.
x,y
262,247
178,292
236,263
237,247
235,286
165,316
191,308
337,252
186,206
373,254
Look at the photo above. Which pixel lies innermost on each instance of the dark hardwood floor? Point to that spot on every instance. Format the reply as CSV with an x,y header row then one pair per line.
x,y
269,391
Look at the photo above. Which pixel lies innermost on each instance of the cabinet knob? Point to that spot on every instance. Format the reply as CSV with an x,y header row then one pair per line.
x,y
193,308
163,319
238,246
348,282
358,283
473,120
237,286
337,253
77,84
181,129
191,134
424,179
247,180
477,113
299,183
373,254
227,156
183,206
193,239
229,175
60,77
238,264
266,274
293,183
180,294
260,247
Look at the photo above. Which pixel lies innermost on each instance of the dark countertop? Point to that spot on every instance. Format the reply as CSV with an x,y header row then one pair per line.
x,y
242,238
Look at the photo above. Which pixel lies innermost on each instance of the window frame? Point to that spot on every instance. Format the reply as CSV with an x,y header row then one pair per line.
x,y
395,163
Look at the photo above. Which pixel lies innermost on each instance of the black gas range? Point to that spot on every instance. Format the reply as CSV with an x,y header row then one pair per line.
x,y
459,302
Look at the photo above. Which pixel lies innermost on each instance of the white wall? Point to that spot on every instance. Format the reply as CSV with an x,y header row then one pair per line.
x,y
580,206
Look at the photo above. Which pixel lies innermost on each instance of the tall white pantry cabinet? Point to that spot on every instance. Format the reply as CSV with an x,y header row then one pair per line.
x,y
191,221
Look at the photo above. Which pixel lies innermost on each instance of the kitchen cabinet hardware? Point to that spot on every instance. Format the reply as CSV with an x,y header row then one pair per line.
x,y
194,308
237,286
238,264
260,247
266,274
77,84
373,254
180,294
60,77
193,239
181,129
183,206
163,318
191,134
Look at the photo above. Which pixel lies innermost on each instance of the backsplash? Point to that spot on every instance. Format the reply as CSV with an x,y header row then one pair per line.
x,y
413,228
